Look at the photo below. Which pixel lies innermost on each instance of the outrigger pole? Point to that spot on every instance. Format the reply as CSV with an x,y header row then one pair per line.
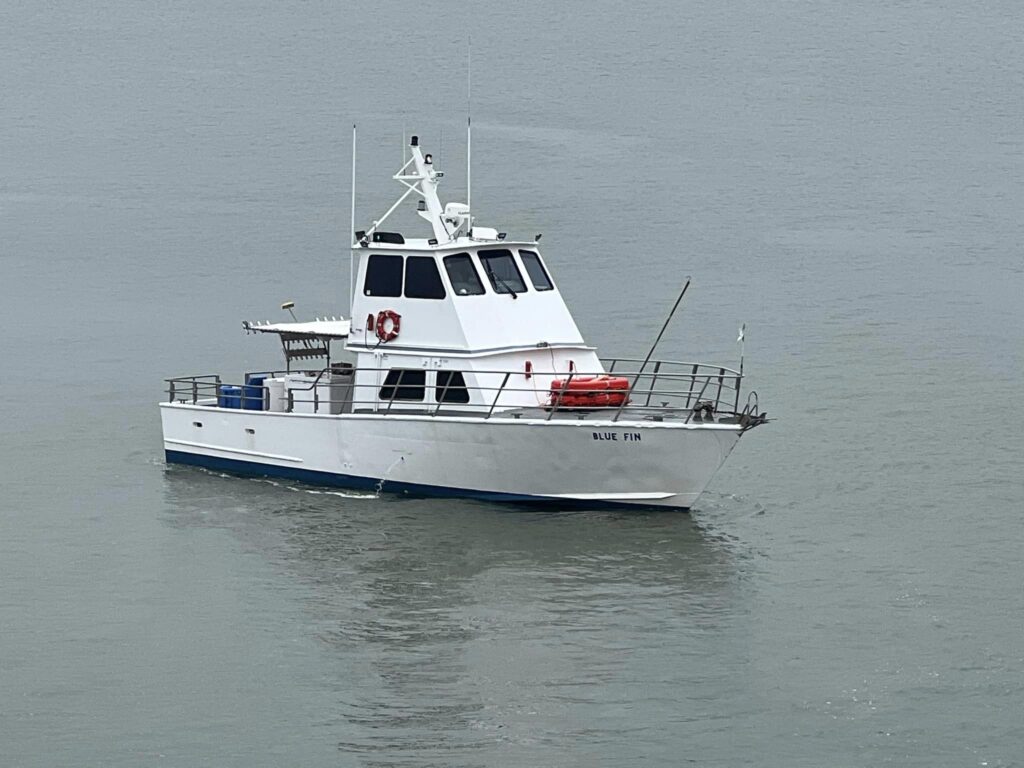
x,y
662,332
636,379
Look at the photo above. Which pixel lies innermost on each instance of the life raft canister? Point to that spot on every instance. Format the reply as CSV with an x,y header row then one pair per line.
x,y
389,325
589,392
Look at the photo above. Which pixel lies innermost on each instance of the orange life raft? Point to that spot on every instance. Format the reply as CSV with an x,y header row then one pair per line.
x,y
589,392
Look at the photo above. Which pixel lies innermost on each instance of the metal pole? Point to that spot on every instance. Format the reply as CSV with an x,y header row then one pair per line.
x,y
739,378
654,378
352,231
498,396
663,328
561,392
444,392
629,392
394,392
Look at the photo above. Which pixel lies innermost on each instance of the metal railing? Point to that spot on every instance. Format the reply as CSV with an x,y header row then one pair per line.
x,y
663,389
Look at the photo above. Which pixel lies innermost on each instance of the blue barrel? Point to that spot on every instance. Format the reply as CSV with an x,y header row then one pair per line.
x,y
229,397
252,393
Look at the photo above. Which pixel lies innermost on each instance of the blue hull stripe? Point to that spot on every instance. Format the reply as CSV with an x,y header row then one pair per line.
x,y
316,477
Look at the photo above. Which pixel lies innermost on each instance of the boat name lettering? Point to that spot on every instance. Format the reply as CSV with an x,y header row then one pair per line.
x,y
626,437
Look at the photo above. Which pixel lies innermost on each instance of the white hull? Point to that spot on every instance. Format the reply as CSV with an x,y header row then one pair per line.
x,y
641,463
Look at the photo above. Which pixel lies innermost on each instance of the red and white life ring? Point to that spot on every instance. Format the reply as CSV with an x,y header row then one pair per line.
x,y
389,325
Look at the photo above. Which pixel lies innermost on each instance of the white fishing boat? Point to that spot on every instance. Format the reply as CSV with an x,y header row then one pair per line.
x,y
461,372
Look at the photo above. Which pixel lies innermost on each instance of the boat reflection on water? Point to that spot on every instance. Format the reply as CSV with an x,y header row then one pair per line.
x,y
450,624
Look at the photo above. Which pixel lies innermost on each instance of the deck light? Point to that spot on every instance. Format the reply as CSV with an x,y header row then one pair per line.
x,y
421,205
415,141
288,305
537,238
428,159
432,241
501,235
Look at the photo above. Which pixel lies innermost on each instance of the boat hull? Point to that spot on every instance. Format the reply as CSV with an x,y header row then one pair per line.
x,y
559,462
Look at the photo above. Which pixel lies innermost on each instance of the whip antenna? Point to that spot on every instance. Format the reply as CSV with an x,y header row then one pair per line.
x,y
469,129
352,231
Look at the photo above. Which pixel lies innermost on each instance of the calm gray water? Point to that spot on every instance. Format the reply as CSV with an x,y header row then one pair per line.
x,y
845,177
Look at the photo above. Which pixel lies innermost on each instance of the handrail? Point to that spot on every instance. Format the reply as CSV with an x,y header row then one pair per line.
x,y
561,394
498,395
680,387
680,363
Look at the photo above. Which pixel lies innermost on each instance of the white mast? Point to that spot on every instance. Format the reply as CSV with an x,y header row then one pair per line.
x,y
427,178
419,177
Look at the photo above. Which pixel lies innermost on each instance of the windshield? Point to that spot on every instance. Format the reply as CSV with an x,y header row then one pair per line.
x,y
502,271
463,276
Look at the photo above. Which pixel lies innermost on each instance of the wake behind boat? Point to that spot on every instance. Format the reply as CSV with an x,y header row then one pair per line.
x,y
462,373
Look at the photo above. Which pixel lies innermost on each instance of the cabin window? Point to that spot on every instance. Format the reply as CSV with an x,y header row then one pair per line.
x,y
465,281
502,271
404,384
451,387
535,269
422,280
383,275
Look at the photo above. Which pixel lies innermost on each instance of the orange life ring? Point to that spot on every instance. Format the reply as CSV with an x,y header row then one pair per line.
x,y
384,333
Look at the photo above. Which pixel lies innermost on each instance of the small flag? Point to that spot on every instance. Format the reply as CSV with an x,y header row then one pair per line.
x,y
743,328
